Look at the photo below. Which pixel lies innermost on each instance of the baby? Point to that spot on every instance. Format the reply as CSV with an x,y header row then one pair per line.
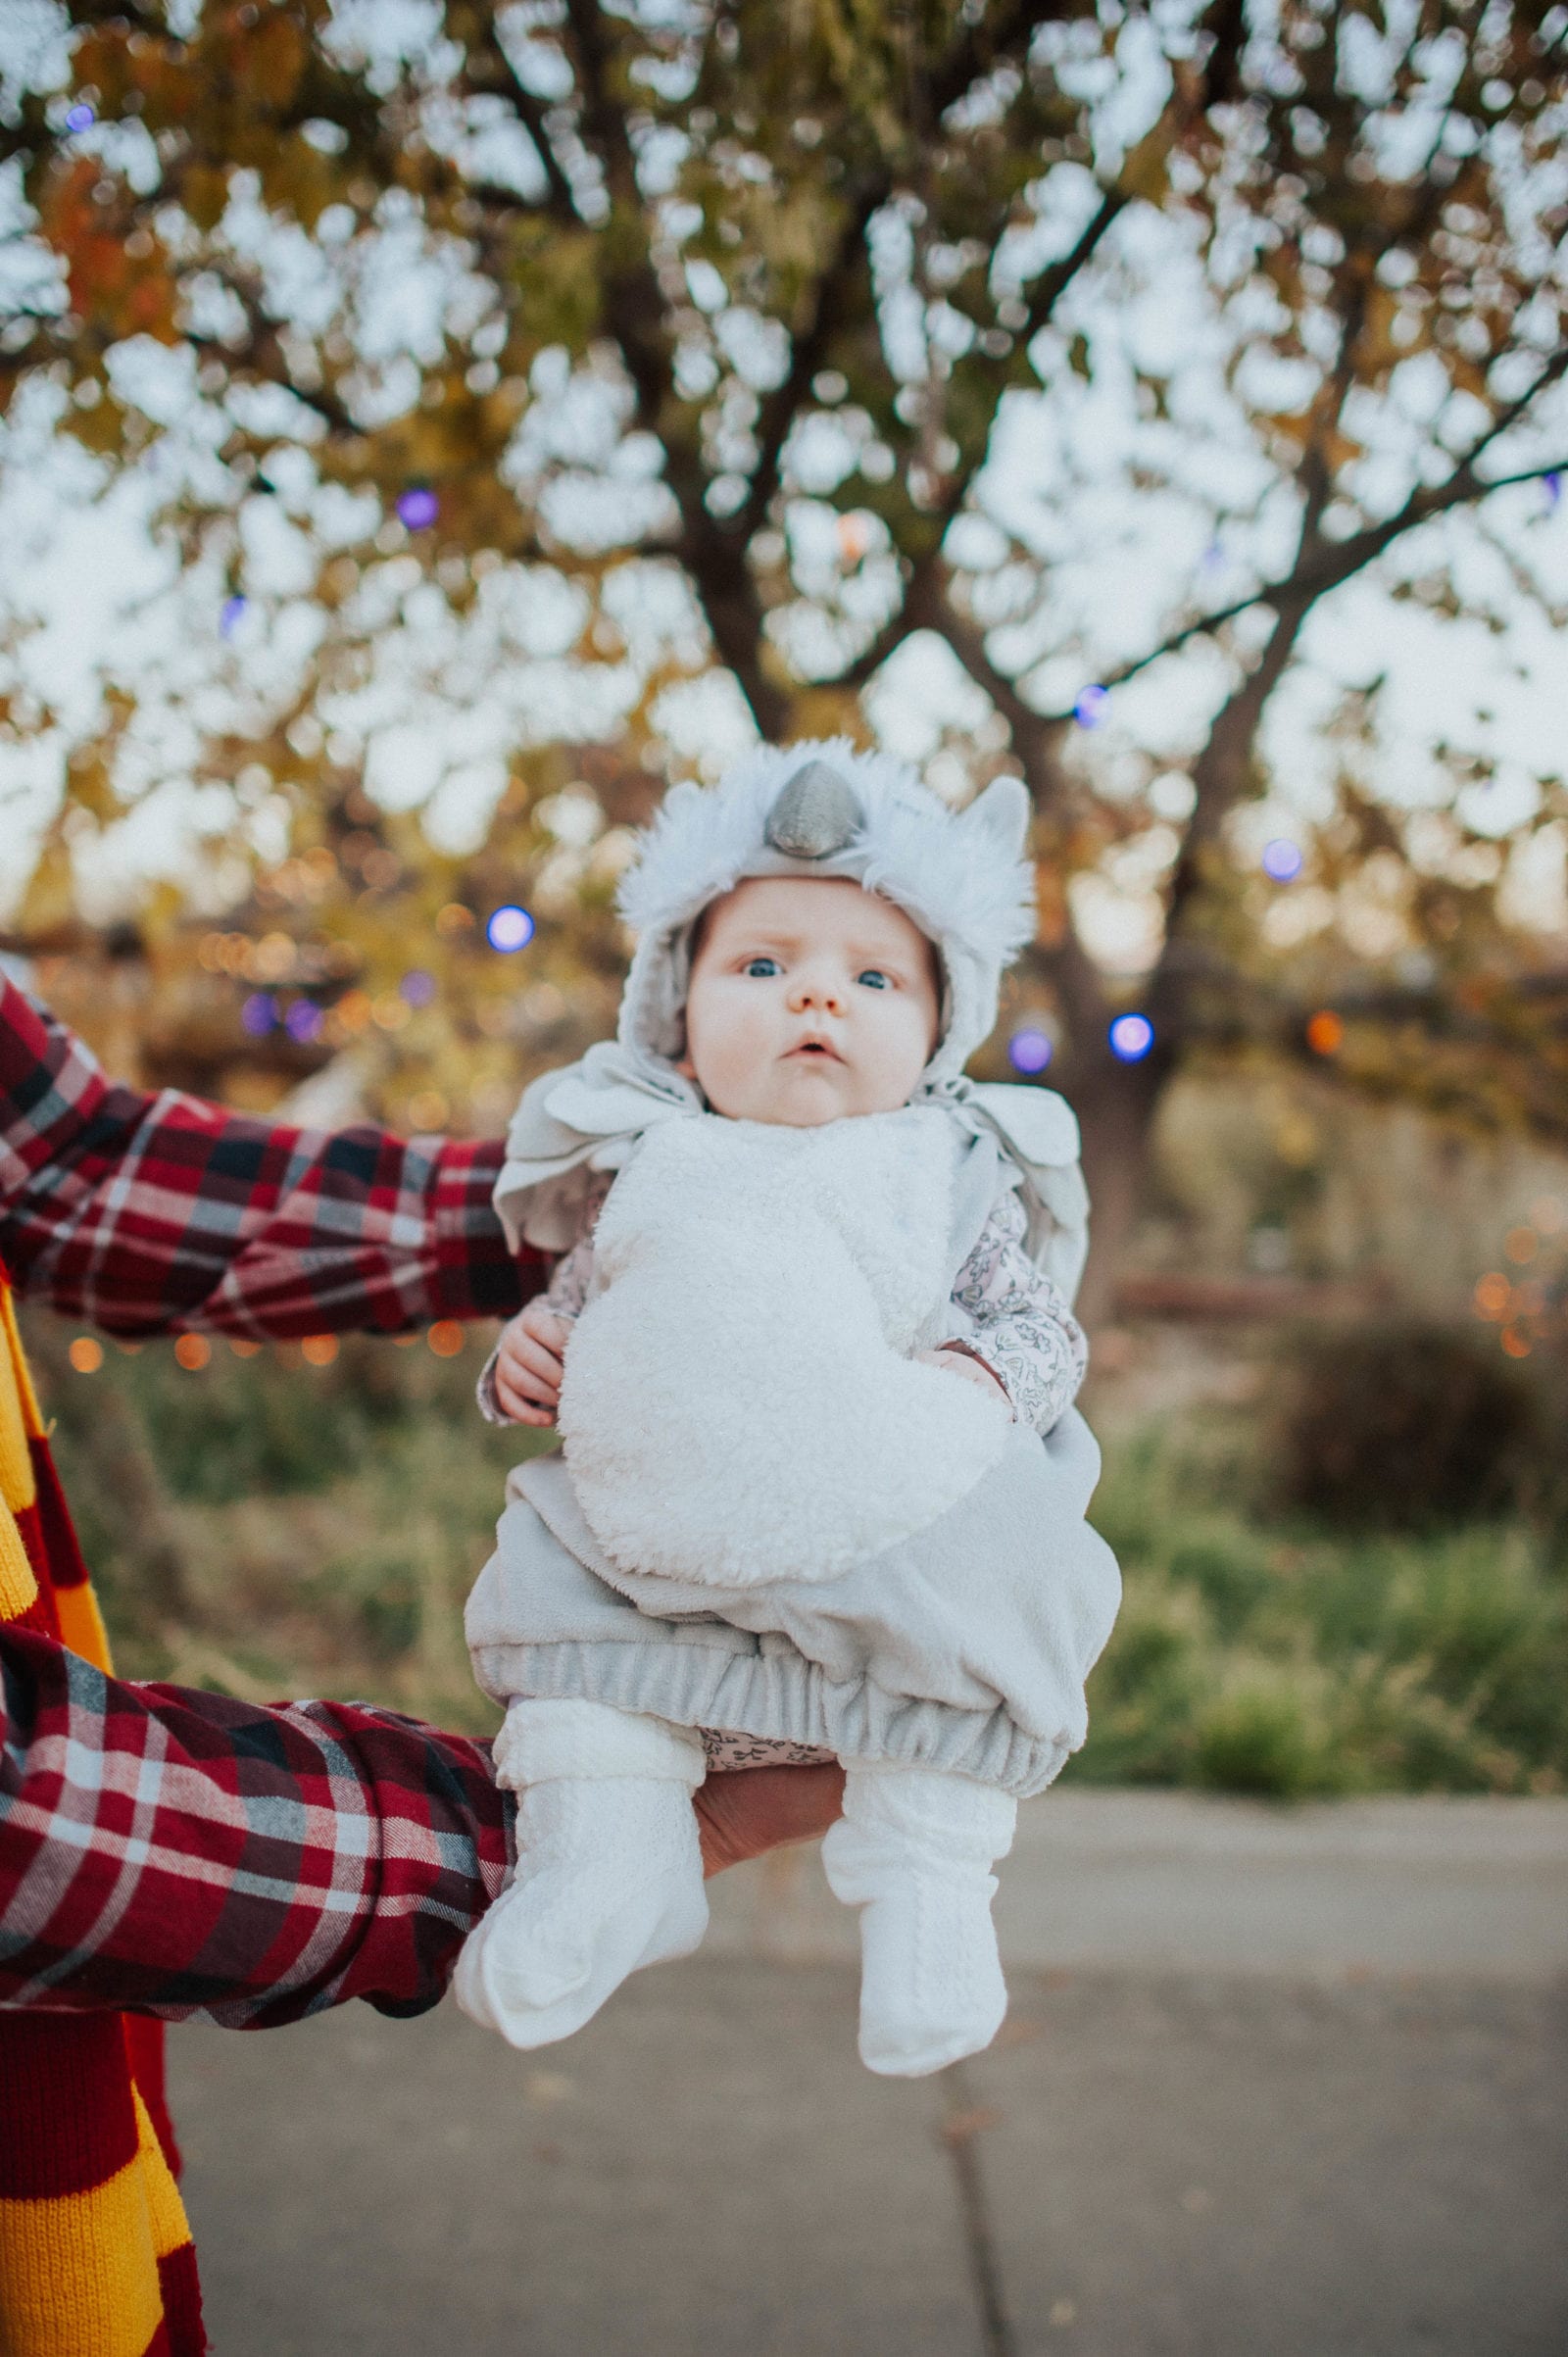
x,y
808,1346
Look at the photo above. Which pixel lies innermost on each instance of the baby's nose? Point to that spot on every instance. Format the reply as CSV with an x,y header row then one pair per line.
x,y
817,990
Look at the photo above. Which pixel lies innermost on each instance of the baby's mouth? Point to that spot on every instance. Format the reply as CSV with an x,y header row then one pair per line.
x,y
813,1049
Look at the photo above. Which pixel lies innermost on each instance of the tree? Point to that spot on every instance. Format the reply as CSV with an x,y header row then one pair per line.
x,y
785,346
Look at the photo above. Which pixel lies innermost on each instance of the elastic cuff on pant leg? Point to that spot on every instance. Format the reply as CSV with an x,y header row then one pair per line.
x,y
543,1741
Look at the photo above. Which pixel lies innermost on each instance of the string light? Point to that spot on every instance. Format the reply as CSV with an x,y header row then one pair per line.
x,y
1091,706
303,1021
509,928
1282,859
1551,484
1131,1038
1029,1050
86,1356
418,508
192,1352
259,1015
417,988
1325,1032
319,1350
446,1337
80,117
230,614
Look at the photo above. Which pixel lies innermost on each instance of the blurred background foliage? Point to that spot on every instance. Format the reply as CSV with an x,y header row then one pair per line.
x,y
476,415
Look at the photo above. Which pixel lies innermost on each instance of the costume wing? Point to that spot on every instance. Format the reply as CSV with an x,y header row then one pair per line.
x,y
1038,1131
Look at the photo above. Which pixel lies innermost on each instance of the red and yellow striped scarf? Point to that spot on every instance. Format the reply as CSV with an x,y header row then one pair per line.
x,y
96,2258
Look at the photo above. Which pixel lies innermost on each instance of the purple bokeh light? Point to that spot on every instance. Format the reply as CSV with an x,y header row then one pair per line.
x,y
416,989
1131,1038
303,1021
1091,708
509,928
259,1015
80,117
1282,859
1551,484
1029,1050
230,614
418,508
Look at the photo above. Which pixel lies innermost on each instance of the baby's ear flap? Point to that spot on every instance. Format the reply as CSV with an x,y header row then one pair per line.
x,y
1001,815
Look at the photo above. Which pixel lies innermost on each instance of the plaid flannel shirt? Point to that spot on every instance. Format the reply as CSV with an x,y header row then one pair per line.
x,y
171,1851
181,1854
146,1212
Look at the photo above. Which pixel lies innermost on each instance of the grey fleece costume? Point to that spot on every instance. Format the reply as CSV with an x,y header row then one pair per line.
x,y
964,1644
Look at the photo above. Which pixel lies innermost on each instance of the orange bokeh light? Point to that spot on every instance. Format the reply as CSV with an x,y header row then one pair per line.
x,y
244,1350
1325,1033
1520,1245
1493,1294
446,1337
86,1356
319,1350
1516,1345
193,1351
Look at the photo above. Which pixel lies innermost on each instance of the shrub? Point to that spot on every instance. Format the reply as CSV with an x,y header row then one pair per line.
x,y
1402,1426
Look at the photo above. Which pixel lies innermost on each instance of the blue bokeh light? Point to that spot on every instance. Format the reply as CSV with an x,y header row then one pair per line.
x,y
1131,1038
1029,1050
1091,706
80,117
1551,484
1282,859
418,508
259,1015
509,928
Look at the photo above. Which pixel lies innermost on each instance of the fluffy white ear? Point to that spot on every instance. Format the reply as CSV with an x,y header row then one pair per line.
x,y
1002,814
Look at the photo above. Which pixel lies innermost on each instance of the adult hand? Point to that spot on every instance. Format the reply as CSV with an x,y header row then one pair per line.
x,y
746,1811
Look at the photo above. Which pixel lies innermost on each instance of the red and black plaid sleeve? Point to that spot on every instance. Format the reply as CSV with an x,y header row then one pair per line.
x,y
143,1213
178,1853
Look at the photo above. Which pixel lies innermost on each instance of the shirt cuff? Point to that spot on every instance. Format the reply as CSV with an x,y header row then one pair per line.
x,y
484,1392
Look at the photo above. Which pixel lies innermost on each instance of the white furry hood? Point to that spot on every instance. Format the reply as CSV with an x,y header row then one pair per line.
x,y
960,875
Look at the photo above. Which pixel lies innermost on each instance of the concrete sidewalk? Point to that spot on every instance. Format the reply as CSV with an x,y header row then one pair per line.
x,y
1273,2085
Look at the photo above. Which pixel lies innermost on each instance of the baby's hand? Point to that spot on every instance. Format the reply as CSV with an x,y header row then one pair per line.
x,y
528,1366
974,1370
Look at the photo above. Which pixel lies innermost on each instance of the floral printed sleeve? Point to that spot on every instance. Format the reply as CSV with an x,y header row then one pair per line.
x,y
565,1296
1023,1329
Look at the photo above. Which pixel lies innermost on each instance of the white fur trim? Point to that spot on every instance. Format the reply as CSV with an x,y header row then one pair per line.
x,y
960,875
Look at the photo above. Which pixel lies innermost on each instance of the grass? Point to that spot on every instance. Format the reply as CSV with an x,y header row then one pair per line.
x,y
271,1528
1262,1655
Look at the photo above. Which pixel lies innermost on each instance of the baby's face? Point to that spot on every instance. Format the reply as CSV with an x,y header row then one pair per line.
x,y
810,999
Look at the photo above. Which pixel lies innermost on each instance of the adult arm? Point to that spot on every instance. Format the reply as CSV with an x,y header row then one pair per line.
x,y
174,1852
145,1211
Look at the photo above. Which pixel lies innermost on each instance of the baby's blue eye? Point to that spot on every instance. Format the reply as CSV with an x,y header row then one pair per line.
x,y
764,966
873,978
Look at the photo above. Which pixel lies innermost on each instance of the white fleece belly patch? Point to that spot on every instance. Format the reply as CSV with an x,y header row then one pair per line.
x,y
739,1405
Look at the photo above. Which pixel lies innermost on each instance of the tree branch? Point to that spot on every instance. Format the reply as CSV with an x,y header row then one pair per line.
x,y
501,77
829,309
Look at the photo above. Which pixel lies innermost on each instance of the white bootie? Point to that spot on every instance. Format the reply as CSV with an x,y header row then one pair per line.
x,y
608,1875
913,1852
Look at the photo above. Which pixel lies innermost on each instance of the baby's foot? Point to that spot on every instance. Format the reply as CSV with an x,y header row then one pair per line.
x,y
913,1851
609,1878
931,1984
